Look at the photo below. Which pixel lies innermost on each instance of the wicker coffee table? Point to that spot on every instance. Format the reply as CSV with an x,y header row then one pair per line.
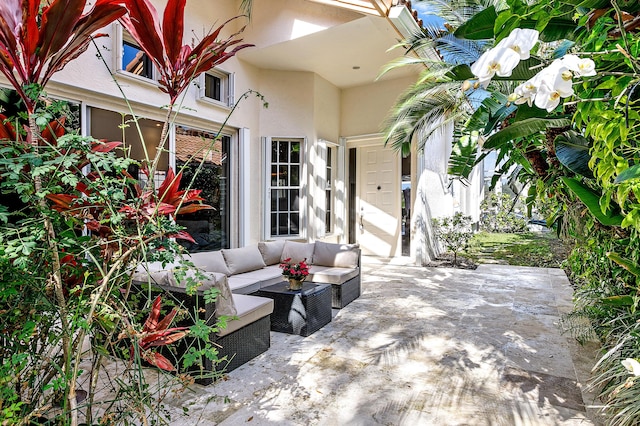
x,y
300,312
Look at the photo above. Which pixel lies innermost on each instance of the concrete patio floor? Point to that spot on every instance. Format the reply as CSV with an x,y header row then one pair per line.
x,y
421,346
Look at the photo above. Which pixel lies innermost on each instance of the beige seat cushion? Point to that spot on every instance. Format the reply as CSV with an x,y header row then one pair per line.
x,y
271,251
243,259
210,261
297,252
166,280
329,275
332,254
250,309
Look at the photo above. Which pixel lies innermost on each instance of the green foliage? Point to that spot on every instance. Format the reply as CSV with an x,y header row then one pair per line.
x,y
454,232
498,215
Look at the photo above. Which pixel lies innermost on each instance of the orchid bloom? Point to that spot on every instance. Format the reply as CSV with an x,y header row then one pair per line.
x,y
521,41
502,59
632,365
526,92
580,66
497,61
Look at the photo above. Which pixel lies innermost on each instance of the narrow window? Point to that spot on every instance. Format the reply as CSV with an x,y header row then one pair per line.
x,y
284,188
329,192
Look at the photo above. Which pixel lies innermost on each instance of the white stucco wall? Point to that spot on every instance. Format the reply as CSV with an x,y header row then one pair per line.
x,y
364,108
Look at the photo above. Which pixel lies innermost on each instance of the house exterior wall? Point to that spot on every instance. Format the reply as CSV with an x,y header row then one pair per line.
x,y
301,104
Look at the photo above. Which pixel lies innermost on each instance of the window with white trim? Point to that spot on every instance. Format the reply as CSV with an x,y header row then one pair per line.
x,y
133,59
216,86
284,186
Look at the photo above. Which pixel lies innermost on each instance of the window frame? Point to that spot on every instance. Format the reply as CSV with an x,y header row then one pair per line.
x,y
122,36
227,88
268,188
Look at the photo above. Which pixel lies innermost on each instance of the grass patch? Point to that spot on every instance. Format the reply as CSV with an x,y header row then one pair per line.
x,y
527,249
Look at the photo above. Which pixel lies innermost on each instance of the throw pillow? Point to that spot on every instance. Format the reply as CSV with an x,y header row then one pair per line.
x,y
243,259
337,255
210,261
297,252
271,251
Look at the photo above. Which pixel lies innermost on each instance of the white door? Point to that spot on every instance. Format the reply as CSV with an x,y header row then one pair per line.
x,y
378,206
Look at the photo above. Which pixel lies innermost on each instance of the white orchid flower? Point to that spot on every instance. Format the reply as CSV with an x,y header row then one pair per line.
x,y
632,365
580,66
521,41
526,92
496,61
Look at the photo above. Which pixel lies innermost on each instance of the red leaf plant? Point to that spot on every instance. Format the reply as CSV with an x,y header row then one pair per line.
x,y
178,64
169,201
155,333
36,42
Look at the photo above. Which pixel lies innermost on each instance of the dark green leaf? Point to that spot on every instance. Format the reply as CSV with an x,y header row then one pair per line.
x,y
618,300
521,129
592,201
461,73
480,26
572,150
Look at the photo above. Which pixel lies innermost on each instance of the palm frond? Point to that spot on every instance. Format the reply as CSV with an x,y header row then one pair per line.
x,y
422,110
458,51
454,12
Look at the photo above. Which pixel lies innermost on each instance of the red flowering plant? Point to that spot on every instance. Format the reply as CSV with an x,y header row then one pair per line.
x,y
296,271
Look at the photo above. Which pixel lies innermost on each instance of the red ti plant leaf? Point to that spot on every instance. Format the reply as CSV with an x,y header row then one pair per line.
x,y
182,235
37,42
178,64
158,360
156,332
7,131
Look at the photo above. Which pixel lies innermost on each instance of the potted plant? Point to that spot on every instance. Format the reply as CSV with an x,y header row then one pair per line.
x,y
295,273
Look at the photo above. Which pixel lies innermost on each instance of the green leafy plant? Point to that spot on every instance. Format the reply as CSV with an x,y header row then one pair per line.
x,y
454,232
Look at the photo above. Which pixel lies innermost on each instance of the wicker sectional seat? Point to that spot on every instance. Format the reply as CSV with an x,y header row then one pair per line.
x,y
253,267
247,333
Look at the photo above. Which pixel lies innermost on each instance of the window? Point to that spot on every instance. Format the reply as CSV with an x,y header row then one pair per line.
x,y
135,61
209,228
284,187
216,86
329,192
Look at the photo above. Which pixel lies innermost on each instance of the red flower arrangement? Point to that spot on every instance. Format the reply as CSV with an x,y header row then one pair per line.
x,y
296,271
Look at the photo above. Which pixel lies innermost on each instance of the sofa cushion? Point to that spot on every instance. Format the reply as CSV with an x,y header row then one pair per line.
x,y
211,261
165,279
330,275
332,254
271,251
250,309
297,252
243,259
240,285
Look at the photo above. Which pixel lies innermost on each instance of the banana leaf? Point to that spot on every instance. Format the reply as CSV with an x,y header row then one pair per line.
x,y
592,201
480,26
572,150
521,129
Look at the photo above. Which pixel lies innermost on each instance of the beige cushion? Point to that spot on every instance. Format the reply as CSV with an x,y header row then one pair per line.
x,y
330,275
250,309
297,252
165,278
243,259
271,251
339,255
211,261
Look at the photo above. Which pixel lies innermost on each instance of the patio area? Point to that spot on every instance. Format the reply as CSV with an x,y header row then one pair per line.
x,y
421,346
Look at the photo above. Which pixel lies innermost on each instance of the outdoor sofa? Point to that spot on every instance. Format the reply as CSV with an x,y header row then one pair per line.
x,y
238,273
